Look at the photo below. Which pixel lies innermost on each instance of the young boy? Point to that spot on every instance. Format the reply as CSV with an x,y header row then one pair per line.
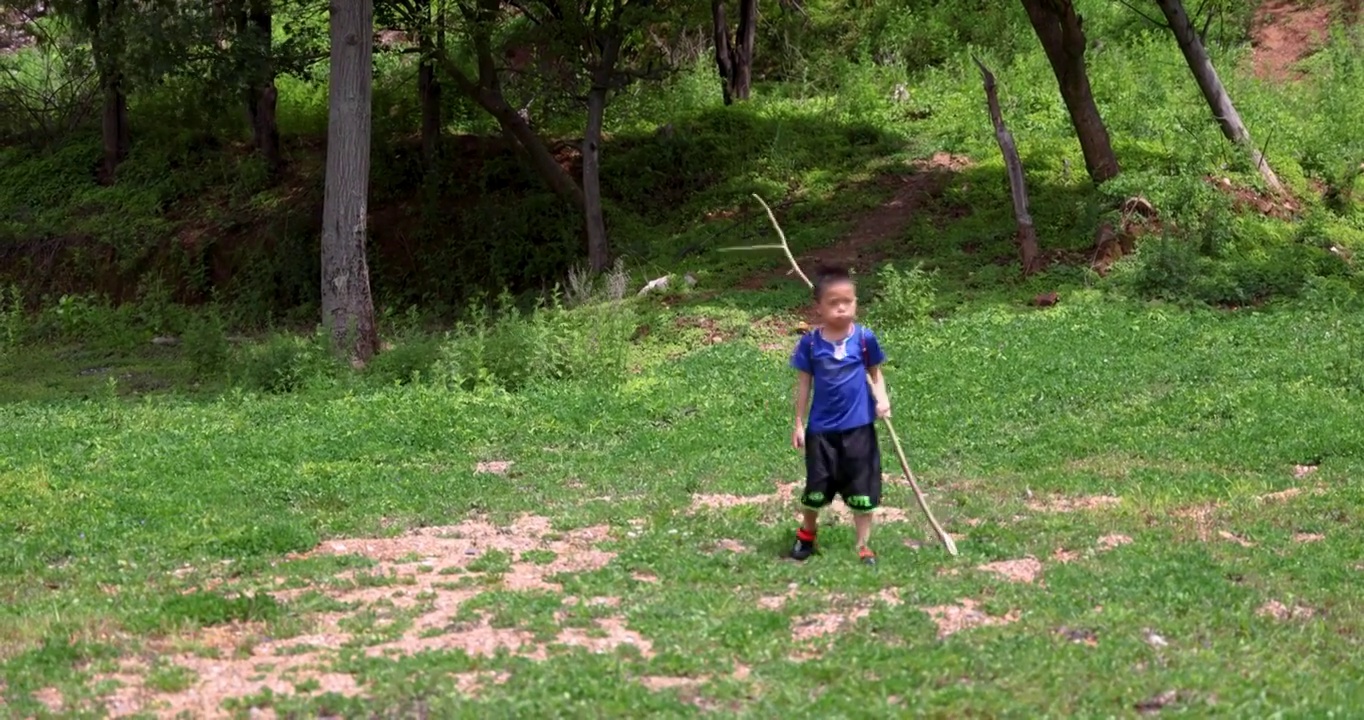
x,y
842,455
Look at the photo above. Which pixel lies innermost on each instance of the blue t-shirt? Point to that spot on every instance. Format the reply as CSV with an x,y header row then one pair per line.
x,y
842,397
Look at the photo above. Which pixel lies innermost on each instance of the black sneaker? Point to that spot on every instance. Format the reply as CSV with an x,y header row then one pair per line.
x,y
803,549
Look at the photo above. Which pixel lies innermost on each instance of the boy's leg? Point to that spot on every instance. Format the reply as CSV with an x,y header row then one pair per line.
x,y
820,463
862,458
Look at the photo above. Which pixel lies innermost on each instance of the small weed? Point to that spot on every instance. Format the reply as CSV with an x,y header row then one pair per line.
x,y
491,562
170,678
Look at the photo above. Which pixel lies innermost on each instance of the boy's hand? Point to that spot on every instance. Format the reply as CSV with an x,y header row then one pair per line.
x,y
883,410
798,436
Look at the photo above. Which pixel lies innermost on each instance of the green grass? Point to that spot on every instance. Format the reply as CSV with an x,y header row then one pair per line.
x,y
132,523
225,503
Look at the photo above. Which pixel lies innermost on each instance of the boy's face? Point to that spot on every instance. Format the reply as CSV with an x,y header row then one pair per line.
x,y
837,307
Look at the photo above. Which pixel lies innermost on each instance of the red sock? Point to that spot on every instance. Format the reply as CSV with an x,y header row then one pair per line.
x,y
804,535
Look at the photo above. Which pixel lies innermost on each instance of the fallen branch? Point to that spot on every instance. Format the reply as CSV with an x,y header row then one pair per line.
x,y
899,451
1028,252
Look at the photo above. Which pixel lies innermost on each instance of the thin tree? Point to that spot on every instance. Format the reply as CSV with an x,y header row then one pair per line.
x,y
103,21
254,24
734,55
1196,55
1061,31
347,306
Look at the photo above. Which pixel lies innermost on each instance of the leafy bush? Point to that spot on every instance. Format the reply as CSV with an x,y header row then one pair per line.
x,y
902,297
205,344
512,349
287,363
408,361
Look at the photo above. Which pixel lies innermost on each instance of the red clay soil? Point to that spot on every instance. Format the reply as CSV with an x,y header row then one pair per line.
x,y
870,239
1284,32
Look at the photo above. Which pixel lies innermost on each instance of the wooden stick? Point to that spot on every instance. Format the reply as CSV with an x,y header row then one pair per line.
x,y
899,451
784,246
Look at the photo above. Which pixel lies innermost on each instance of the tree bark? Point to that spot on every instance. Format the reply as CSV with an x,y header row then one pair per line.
x,y
428,87
1061,32
1196,55
347,306
261,95
1028,253
598,245
734,59
101,21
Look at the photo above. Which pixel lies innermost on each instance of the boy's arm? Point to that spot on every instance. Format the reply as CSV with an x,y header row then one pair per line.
x,y
876,357
803,381
878,390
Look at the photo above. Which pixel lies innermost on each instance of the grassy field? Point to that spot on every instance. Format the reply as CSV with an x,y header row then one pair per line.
x,y
1153,507
581,510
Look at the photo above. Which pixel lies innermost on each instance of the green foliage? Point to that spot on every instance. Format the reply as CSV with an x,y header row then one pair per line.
x,y
411,360
510,349
286,363
206,345
12,322
902,297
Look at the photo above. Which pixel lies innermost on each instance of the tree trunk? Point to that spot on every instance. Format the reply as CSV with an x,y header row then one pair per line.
x,y
114,126
1196,55
515,127
598,246
1061,32
724,61
347,307
262,95
101,22
747,37
1028,253
734,59
428,89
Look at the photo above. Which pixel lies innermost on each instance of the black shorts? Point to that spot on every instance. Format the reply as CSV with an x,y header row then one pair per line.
x,y
846,463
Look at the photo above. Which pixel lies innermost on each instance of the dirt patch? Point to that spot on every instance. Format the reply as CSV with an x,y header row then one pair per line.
x,y
470,683
218,680
1064,556
1283,33
665,682
1233,537
1308,537
452,548
1109,542
1199,518
1023,570
866,243
493,467
812,627
1279,611
236,660
1302,471
50,698
777,602
1064,504
1249,200
1281,495
727,545
952,619
785,493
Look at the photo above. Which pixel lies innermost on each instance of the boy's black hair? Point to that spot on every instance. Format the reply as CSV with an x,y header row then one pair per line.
x,y
826,275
